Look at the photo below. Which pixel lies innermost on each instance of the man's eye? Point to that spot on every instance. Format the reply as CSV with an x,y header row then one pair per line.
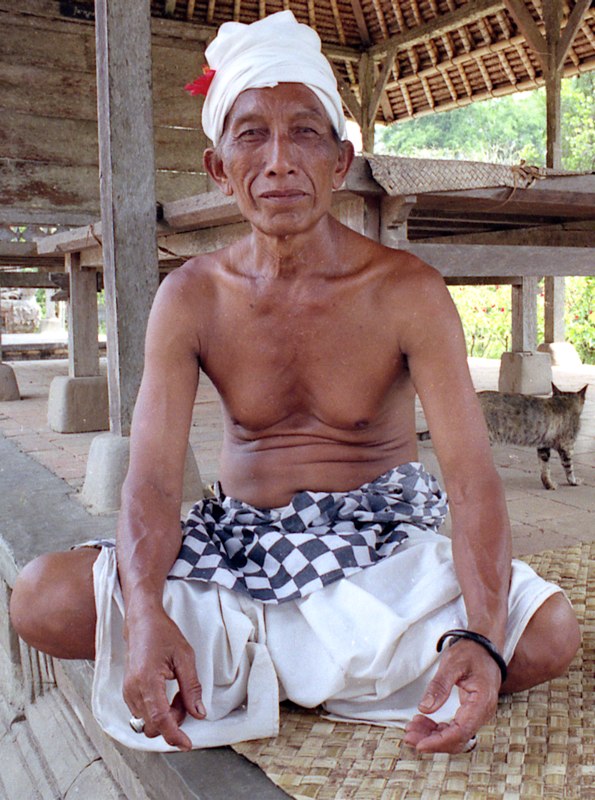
x,y
250,134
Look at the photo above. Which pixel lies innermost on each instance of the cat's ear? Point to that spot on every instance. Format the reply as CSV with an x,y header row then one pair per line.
x,y
555,389
582,392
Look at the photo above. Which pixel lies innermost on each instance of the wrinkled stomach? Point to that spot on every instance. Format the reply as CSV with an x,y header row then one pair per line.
x,y
268,476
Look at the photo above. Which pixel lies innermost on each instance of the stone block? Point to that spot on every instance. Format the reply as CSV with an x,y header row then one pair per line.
x,y
563,354
78,405
525,373
9,388
107,465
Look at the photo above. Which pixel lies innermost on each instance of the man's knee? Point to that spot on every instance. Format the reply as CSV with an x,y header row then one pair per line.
x,y
547,647
50,593
562,632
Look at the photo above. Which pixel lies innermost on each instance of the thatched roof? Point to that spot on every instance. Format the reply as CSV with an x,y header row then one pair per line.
x,y
443,53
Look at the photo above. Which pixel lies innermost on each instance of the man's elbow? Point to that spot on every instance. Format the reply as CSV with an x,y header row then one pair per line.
x,y
470,486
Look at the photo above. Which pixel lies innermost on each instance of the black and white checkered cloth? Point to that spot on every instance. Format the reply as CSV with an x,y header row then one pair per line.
x,y
281,554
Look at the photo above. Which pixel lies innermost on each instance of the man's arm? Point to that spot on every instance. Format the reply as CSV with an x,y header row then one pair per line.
x,y
435,348
149,532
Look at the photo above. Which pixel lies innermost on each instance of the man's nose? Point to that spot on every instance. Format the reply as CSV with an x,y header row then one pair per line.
x,y
280,155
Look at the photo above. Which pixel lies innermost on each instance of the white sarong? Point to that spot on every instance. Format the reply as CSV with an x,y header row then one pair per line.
x,y
363,647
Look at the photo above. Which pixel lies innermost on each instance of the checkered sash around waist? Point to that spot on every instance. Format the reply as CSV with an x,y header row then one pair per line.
x,y
281,554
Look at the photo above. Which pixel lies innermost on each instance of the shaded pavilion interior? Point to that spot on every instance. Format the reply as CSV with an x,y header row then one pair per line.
x,y
96,125
71,68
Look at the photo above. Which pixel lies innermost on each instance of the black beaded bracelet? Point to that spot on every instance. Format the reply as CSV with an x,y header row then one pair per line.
x,y
461,633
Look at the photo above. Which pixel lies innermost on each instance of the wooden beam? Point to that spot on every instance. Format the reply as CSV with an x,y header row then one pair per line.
x,y
529,29
554,307
553,119
26,280
552,15
72,241
470,12
381,82
564,196
524,315
123,35
349,99
83,348
575,20
361,22
476,260
565,235
366,90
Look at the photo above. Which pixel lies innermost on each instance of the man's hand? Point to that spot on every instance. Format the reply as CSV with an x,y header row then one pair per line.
x,y
478,679
156,652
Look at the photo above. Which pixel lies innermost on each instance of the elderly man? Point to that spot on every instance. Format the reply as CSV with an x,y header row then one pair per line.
x,y
316,572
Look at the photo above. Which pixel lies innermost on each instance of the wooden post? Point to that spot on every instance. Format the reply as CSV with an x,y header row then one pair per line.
x,y
552,15
554,289
123,35
129,234
366,88
554,293
524,315
83,348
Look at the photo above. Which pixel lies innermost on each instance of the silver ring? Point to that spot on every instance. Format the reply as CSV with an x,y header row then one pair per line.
x,y
137,724
471,745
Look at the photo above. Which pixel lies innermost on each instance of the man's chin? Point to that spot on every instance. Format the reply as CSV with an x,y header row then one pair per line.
x,y
284,223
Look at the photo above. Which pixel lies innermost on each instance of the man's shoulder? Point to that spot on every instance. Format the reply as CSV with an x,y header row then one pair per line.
x,y
197,275
404,271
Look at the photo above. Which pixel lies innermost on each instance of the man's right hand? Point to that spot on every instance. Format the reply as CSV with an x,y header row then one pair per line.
x,y
156,652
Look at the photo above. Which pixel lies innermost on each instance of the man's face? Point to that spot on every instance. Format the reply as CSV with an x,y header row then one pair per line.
x,y
280,158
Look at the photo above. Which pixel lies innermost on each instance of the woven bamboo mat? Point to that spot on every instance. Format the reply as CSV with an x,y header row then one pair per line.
x,y
541,743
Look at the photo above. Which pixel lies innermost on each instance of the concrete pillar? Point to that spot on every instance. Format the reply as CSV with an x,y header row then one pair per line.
x,y
127,188
9,388
524,370
79,403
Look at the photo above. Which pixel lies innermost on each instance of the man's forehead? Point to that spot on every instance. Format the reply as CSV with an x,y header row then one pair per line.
x,y
295,99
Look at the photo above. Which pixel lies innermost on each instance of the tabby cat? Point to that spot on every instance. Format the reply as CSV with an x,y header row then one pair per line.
x,y
548,423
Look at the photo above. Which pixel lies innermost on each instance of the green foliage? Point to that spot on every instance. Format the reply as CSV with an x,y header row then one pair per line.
x,y
486,317
580,316
503,130
578,115
485,314
508,130
40,298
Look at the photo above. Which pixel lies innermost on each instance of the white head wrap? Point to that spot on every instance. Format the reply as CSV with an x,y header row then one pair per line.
x,y
276,49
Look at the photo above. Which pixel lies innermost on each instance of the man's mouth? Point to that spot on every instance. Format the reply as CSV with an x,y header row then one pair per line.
x,y
282,194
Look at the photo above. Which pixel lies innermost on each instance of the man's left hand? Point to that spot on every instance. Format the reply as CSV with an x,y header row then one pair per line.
x,y
478,679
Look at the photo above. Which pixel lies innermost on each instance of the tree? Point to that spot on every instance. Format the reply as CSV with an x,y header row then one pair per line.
x,y
502,130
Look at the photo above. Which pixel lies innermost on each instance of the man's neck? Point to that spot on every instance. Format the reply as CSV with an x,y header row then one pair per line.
x,y
296,255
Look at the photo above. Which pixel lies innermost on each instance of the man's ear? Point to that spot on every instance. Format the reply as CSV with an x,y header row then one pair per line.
x,y
213,164
346,155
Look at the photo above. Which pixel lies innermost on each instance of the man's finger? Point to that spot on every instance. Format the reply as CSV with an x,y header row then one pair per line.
x,y
438,691
190,688
164,719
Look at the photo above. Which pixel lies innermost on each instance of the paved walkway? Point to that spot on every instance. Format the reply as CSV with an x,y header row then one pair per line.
x,y
52,747
540,519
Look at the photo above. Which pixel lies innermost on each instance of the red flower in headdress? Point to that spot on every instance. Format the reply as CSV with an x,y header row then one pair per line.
x,y
201,84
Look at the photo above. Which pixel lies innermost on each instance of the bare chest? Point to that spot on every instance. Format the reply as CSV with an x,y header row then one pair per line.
x,y
333,361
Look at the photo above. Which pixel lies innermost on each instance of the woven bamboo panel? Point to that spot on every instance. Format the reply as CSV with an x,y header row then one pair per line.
x,y
541,743
415,175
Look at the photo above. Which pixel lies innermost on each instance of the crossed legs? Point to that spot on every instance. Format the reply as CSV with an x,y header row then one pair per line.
x,y
53,609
